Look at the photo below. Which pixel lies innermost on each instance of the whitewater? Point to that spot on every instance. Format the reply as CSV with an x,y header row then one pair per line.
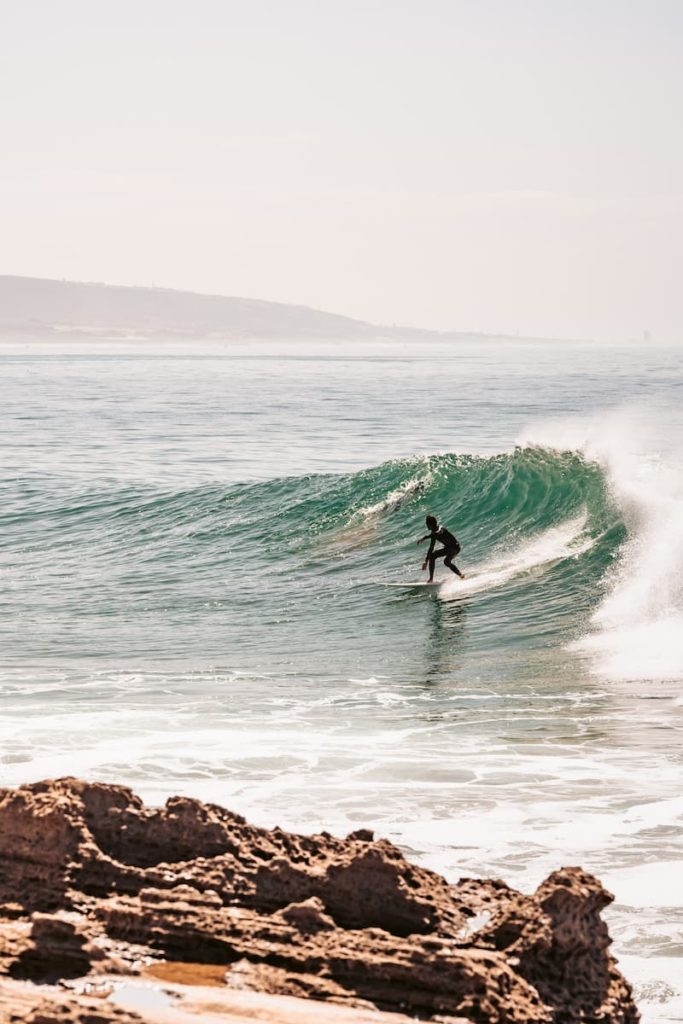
x,y
195,547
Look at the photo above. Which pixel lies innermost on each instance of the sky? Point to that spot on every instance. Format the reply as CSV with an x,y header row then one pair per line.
x,y
509,166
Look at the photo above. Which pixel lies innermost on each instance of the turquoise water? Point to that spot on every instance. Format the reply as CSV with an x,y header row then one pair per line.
x,y
196,544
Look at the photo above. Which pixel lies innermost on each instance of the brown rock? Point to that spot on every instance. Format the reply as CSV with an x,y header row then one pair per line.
x,y
92,881
21,1004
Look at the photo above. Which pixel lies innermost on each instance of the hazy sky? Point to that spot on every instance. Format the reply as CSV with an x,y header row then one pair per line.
x,y
497,165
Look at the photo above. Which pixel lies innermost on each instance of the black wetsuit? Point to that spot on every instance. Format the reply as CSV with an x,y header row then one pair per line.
x,y
450,549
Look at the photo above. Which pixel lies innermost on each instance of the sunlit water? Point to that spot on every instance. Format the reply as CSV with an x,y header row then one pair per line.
x,y
195,547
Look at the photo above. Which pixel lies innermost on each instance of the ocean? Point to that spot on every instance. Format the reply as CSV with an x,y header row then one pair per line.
x,y
197,542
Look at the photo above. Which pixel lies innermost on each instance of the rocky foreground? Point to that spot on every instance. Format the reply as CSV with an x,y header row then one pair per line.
x,y
95,887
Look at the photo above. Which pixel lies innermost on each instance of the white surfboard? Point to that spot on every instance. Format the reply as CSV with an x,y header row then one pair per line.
x,y
416,583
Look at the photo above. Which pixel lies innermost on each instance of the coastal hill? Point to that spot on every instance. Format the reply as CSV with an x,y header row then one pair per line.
x,y
33,307
40,307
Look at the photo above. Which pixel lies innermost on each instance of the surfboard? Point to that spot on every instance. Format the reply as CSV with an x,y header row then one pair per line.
x,y
416,583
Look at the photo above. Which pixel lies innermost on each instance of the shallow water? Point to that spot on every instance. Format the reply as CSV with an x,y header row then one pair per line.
x,y
195,543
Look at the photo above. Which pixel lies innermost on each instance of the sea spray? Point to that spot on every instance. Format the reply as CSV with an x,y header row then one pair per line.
x,y
635,632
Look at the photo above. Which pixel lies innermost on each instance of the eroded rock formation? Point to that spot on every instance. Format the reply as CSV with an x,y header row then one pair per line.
x,y
93,882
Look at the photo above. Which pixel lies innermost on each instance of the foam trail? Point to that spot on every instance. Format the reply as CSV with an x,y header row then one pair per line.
x,y
564,541
395,498
362,527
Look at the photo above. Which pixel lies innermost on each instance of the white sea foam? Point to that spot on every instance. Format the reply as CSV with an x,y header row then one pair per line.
x,y
395,498
657,986
564,541
637,631
648,885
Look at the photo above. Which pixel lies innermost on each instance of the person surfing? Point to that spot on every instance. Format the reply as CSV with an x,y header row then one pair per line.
x,y
450,548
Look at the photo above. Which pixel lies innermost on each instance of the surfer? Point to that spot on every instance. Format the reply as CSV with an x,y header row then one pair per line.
x,y
450,548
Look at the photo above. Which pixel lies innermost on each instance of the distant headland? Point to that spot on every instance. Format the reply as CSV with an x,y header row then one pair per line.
x,y
42,308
